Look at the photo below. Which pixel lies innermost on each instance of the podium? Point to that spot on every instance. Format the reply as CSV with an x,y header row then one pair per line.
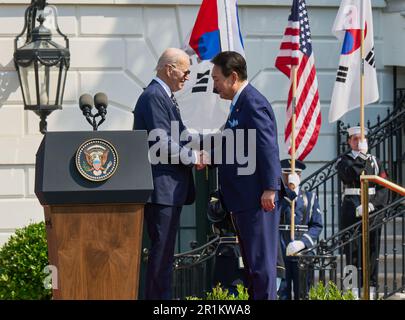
x,y
93,187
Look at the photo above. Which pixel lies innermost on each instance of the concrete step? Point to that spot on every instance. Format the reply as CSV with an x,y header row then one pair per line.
x,y
386,263
390,281
397,296
398,226
392,242
388,269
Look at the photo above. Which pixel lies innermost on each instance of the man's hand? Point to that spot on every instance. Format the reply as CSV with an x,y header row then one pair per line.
x,y
203,160
294,247
267,200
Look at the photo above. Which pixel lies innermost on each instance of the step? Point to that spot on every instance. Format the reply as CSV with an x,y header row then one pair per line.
x,y
390,281
399,226
397,296
391,243
399,262
400,270
399,229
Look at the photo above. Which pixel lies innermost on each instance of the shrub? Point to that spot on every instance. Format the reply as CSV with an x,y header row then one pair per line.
x,y
22,261
219,293
329,292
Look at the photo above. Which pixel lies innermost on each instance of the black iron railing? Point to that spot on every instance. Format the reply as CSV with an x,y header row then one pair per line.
x,y
385,142
327,260
192,274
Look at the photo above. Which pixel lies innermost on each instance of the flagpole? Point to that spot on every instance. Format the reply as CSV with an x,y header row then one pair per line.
x,y
293,151
364,194
228,26
362,58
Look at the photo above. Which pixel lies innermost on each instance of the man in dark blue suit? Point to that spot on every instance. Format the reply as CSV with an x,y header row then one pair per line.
x,y
157,112
250,193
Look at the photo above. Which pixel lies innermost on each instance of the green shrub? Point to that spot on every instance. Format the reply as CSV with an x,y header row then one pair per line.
x,y
219,293
329,292
22,261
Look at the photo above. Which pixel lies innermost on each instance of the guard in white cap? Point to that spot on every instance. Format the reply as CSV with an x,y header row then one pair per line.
x,y
350,166
308,226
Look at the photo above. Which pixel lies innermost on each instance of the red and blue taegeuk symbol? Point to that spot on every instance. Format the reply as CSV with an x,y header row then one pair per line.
x,y
352,40
205,37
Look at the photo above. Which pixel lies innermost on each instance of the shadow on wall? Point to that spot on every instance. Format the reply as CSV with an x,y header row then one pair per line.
x,y
8,84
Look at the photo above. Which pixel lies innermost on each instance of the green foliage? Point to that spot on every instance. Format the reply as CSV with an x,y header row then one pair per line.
x,y
219,293
22,261
329,292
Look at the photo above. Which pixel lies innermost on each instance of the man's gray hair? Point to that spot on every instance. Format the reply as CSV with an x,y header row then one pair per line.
x,y
170,56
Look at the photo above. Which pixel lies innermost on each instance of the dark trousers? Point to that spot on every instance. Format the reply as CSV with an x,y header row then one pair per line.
x,y
258,235
162,224
291,279
352,250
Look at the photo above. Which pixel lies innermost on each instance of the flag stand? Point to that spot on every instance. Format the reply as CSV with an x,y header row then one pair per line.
x,y
364,194
293,120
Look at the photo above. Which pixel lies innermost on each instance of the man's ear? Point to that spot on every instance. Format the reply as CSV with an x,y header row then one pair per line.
x,y
235,77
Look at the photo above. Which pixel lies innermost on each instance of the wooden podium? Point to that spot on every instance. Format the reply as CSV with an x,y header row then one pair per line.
x,y
94,228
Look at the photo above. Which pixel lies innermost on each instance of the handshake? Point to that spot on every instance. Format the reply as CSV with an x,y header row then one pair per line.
x,y
203,159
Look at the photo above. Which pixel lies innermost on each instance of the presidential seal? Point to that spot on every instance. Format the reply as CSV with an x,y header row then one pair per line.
x,y
96,160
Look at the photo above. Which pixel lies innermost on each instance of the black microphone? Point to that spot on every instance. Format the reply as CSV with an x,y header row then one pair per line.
x,y
86,104
101,103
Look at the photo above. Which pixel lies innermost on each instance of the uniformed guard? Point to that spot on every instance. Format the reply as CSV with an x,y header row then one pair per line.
x,y
308,226
350,166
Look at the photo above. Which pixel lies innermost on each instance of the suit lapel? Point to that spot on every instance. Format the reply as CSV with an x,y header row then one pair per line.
x,y
168,102
233,117
174,114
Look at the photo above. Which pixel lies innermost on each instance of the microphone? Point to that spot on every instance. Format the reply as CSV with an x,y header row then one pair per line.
x,y
86,104
101,103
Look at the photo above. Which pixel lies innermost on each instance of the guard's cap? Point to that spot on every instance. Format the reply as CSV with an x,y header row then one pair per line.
x,y
286,165
356,130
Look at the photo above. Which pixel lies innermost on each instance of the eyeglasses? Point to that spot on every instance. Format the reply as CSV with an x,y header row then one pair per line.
x,y
185,73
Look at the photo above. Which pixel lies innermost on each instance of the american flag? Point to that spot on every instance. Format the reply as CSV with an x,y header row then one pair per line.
x,y
296,50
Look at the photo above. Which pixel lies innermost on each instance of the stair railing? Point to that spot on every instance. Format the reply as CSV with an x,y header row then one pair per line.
x,y
364,182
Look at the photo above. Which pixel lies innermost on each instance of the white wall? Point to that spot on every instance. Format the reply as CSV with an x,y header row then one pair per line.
x,y
114,47
394,33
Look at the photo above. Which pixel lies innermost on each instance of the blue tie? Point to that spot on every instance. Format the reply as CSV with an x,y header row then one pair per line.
x,y
232,107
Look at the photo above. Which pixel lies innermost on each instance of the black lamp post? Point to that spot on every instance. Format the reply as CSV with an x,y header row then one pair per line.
x,y
41,64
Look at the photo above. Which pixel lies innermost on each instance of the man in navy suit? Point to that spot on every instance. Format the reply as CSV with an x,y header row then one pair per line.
x,y
157,112
250,195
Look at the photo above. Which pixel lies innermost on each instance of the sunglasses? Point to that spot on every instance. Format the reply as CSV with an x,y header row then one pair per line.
x,y
185,73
